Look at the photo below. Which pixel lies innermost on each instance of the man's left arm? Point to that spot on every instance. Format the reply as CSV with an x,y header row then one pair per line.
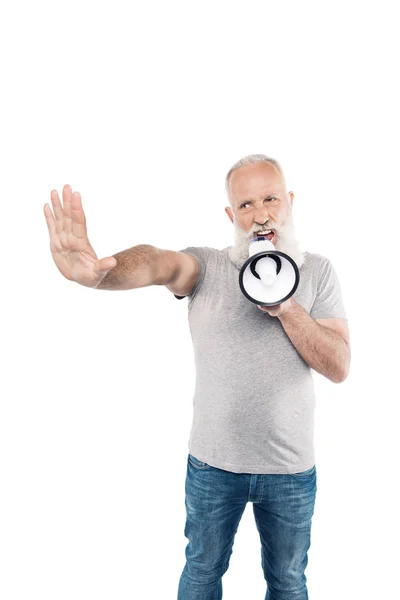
x,y
323,343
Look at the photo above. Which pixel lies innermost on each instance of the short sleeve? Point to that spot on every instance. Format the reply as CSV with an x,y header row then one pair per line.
x,y
328,303
201,254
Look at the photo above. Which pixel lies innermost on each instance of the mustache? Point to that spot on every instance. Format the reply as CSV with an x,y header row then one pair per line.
x,y
257,228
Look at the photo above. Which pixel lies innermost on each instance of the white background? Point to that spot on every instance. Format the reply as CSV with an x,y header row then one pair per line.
x,y
143,108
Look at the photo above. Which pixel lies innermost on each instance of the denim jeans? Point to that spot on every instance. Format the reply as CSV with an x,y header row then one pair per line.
x,y
215,500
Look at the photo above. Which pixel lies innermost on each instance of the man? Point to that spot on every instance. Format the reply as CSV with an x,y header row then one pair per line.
x,y
252,431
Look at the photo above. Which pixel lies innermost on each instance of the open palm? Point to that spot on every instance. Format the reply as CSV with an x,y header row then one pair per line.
x,y
69,243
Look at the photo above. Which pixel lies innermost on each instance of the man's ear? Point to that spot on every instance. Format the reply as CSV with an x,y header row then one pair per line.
x,y
291,196
228,211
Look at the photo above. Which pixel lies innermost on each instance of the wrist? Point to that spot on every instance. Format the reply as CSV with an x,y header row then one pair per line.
x,y
287,309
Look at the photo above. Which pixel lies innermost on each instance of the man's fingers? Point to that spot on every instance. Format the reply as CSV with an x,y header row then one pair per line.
x,y
78,217
67,193
58,210
105,264
51,224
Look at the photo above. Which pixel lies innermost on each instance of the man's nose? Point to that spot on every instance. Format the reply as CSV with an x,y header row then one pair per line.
x,y
261,215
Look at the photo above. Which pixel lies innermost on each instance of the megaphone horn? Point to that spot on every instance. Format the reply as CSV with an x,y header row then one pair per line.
x,y
268,277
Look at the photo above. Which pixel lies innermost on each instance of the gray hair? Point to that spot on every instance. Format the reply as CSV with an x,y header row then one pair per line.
x,y
250,160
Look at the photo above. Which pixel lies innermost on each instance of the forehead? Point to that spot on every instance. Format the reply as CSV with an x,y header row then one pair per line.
x,y
251,182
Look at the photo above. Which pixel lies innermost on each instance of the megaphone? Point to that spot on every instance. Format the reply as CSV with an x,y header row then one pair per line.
x,y
268,277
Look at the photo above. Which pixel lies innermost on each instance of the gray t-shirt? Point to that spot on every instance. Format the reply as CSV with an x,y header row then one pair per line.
x,y
253,405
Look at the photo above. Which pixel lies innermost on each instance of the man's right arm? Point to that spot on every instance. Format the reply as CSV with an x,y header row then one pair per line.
x,y
136,267
146,265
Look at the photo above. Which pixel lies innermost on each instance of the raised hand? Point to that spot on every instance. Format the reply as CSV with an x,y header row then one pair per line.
x,y
69,243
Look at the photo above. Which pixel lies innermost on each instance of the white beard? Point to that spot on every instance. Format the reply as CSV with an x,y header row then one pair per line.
x,y
286,242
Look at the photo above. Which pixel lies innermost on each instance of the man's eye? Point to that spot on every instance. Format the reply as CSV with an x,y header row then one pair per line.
x,y
268,200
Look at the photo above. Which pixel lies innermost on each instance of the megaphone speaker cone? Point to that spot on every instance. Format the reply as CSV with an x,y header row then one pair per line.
x,y
268,277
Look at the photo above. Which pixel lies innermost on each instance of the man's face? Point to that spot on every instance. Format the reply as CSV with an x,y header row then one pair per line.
x,y
260,202
258,196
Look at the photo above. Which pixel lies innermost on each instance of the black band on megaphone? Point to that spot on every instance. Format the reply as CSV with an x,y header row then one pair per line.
x,y
273,256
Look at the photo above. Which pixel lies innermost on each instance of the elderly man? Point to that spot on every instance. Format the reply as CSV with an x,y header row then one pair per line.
x,y
253,420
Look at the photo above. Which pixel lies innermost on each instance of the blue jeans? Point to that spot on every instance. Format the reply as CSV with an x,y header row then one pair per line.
x,y
283,506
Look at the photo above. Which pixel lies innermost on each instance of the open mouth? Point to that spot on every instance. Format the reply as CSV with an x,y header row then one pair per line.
x,y
268,233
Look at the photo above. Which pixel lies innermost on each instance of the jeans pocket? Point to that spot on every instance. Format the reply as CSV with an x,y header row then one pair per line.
x,y
198,464
306,473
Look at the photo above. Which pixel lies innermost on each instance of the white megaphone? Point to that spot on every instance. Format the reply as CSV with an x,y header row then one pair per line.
x,y
268,277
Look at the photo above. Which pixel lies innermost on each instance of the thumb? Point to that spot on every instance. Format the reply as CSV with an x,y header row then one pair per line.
x,y
105,264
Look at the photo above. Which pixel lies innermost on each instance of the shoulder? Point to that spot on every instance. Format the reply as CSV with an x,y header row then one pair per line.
x,y
203,253
207,261
315,260
317,266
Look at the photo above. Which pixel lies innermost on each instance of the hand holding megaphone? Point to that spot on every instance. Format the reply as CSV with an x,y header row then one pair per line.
x,y
278,309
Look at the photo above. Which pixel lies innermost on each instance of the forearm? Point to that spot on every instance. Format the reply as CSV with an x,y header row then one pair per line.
x,y
135,268
323,349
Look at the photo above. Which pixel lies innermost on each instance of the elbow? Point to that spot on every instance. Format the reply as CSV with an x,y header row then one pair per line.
x,y
339,379
342,373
